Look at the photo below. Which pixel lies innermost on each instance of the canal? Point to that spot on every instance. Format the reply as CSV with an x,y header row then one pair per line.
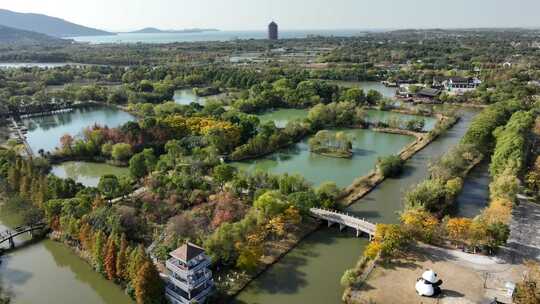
x,y
49,272
475,193
311,272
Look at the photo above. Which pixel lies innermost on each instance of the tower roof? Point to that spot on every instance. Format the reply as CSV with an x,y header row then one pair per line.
x,y
273,23
187,252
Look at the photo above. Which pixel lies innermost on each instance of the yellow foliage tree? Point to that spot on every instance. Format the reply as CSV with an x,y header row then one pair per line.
x,y
457,229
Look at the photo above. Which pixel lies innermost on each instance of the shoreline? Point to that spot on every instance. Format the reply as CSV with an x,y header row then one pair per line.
x,y
363,185
423,140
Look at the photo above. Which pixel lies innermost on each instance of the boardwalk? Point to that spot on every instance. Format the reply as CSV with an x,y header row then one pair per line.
x,y
344,220
22,137
9,235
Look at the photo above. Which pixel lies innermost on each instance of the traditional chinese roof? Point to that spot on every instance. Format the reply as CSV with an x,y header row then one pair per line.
x,y
187,252
429,92
459,79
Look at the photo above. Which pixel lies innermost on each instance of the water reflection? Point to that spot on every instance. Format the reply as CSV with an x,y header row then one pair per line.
x,y
367,145
44,132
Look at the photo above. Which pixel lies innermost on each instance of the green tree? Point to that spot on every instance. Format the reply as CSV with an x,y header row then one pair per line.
x,y
223,173
137,166
108,185
121,152
98,250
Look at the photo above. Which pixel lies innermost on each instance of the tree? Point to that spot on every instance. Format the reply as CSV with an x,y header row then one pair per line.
x,y
137,166
223,173
97,250
108,185
121,152
348,278
328,192
270,204
122,259
458,229
137,258
66,141
85,236
110,258
149,287
390,166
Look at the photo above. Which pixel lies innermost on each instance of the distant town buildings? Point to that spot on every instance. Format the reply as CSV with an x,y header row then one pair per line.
x,y
273,31
189,279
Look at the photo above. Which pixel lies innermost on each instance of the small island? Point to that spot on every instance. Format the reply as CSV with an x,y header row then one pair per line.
x,y
331,144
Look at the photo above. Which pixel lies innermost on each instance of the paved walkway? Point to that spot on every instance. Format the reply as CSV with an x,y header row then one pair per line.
x,y
135,193
525,229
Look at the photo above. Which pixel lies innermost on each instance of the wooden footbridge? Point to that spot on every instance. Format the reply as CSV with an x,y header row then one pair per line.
x,y
21,137
10,235
344,220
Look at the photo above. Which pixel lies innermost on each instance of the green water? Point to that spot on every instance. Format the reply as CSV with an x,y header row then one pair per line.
x,y
367,147
87,173
385,116
311,272
49,272
186,97
475,193
44,132
281,117
366,86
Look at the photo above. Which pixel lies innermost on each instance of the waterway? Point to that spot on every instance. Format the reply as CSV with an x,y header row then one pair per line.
x,y
311,272
367,147
87,173
475,193
44,132
49,272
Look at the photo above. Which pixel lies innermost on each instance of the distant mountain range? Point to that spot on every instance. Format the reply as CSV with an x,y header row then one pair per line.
x,y
46,25
153,30
12,36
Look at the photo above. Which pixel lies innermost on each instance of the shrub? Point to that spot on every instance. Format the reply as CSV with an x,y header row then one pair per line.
x,y
390,166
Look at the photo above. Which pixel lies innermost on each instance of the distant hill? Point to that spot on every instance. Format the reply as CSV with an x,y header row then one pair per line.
x,y
153,30
46,25
12,36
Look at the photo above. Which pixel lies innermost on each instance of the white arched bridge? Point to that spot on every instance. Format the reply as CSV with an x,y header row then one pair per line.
x,y
9,235
344,220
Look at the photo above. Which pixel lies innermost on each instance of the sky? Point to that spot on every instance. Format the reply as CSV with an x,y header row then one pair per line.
x,y
120,15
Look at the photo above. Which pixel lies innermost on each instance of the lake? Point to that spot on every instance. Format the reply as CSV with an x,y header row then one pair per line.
x,y
87,173
282,116
367,147
44,132
211,36
366,86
